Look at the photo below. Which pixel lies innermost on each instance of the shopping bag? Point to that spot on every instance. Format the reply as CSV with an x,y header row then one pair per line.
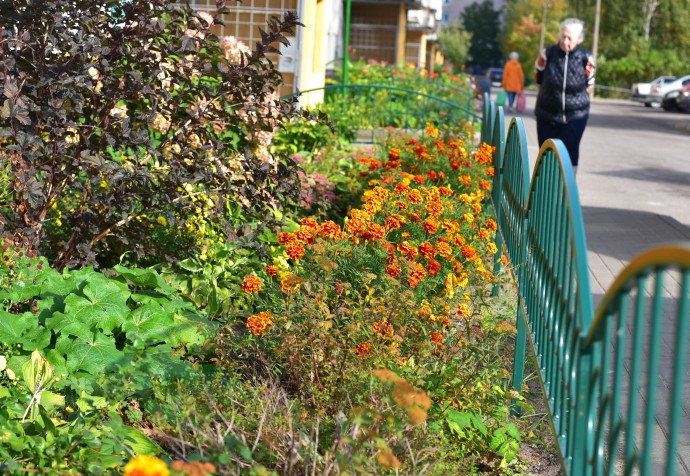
x,y
501,98
521,103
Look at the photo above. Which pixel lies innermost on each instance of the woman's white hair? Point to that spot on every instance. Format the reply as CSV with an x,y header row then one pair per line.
x,y
574,24
514,55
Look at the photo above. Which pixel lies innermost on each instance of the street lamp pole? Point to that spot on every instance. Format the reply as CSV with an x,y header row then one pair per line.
x,y
595,39
545,7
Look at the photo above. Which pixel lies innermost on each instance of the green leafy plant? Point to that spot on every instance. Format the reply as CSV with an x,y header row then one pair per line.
x,y
65,335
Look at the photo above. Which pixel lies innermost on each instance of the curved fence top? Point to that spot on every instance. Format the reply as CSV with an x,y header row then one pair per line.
x,y
675,255
554,197
417,95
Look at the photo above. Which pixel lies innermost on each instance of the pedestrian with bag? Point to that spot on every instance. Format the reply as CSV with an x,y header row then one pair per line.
x,y
513,79
564,72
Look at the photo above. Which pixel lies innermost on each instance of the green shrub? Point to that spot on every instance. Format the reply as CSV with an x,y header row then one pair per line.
x,y
117,114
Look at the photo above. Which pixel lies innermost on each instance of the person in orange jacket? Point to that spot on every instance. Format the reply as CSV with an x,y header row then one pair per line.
x,y
513,79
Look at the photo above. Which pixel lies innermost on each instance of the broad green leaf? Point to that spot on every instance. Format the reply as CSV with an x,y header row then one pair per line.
x,y
457,421
22,329
139,443
91,355
148,323
50,400
105,306
145,277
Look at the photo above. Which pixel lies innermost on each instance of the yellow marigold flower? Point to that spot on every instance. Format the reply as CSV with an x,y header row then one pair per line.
x,y
58,222
431,131
492,248
443,249
251,284
468,217
103,184
463,311
290,283
144,465
162,221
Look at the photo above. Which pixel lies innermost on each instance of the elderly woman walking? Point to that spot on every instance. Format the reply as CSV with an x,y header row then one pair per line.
x,y
513,79
564,72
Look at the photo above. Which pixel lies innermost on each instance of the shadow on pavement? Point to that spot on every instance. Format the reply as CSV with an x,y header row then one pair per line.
x,y
623,234
655,174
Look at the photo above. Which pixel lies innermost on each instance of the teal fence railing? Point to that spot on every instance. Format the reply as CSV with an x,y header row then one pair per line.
x,y
373,107
613,379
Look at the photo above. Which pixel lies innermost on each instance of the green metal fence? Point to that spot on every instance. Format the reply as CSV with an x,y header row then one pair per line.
x,y
614,380
374,108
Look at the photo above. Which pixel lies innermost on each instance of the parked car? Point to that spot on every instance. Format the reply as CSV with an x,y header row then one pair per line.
x,y
640,91
659,92
495,75
683,99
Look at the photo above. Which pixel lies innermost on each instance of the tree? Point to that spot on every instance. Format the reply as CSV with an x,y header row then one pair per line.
x,y
129,127
455,44
482,22
523,28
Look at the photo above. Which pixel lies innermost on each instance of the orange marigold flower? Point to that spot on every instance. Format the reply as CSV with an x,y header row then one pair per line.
x,y
427,250
419,178
271,269
437,338
383,328
145,465
401,205
251,284
439,144
483,234
451,226
445,191
414,217
433,267
443,249
504,259
466,179
394,154
491,224
330,229
435,209
490,172
477,207
405,248
419,149
454,164
469,252
412,142
310,222
485,184
285,237
393,222
430,225
356,226
363,349
431,175
459,240
393,269
375,232
415,197
418,272
307,234
259,323
401,188
431,131
295,250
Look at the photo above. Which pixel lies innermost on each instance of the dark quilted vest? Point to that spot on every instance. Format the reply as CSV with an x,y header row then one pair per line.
x,y
552,96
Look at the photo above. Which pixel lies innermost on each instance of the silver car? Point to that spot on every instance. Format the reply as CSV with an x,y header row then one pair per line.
x,y
659,92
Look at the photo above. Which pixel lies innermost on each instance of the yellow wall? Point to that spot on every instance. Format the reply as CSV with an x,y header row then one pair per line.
x,y
312,65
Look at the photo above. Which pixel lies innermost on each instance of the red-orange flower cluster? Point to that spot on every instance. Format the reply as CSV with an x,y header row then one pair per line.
x,y
259,323
251,284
